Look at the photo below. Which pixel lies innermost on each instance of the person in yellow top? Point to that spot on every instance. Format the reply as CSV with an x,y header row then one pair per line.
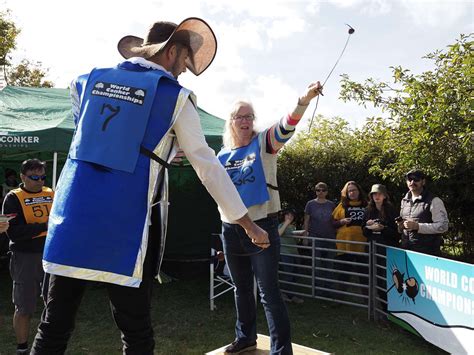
x,y
348,217
31,203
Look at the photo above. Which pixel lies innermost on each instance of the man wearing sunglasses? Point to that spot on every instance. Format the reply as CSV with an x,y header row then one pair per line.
x,y
31,203
424,217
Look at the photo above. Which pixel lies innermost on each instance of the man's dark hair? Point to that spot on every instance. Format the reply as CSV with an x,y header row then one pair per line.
x,y
32,164
179,43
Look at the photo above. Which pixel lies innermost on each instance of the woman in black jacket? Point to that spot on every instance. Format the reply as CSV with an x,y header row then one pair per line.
x,y
380,226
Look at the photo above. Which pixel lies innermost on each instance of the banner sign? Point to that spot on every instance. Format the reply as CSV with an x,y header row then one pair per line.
x,y
434,296
18,141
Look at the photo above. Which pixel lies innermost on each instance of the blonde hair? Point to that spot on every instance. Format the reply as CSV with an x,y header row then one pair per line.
x,y
229,136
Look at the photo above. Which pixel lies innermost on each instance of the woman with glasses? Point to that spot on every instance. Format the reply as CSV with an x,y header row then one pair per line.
x,y
318,224
250,158
348,217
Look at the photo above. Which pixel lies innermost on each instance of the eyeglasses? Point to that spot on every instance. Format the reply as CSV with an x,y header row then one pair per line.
x,y
249,117
320,190
36,177
413,178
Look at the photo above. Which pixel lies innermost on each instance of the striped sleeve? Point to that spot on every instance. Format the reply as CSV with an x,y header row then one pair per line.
x,y
281,132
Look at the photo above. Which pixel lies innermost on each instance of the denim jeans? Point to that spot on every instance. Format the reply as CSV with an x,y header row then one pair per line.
x,y
264,266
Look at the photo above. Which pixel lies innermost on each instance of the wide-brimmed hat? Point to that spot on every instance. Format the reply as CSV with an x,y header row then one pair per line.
x,y
379,188
193,31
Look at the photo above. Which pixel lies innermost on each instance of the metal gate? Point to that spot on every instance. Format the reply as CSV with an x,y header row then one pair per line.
x,y
320,270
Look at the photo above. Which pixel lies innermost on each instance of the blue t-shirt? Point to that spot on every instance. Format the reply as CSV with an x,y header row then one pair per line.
x,y
320,219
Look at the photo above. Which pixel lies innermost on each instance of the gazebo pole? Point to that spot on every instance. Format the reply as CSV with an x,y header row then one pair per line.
x,y
55,168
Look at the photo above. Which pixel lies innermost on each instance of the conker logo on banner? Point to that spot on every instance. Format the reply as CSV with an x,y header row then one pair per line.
x,y
10,141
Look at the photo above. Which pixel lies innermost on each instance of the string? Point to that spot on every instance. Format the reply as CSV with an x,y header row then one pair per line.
x,y
351,31
338,59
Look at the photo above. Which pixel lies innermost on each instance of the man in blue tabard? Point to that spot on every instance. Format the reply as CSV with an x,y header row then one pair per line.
x,y
129,121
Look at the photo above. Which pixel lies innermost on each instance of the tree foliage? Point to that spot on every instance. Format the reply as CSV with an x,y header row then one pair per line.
x,y
427,124
8,34
428,118
27,73
330,152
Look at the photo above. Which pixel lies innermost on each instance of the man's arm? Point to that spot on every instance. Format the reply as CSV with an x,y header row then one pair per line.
x,y
283,227
18,229
258,236
306,224
439,216
3,227
211,173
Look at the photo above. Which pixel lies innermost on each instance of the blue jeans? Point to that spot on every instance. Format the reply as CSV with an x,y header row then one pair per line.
x,y
264,266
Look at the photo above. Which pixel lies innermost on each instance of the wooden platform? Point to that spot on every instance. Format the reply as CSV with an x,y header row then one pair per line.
x,y
263,348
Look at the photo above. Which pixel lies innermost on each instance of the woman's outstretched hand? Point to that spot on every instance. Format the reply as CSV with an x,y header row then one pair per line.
x,y
313,90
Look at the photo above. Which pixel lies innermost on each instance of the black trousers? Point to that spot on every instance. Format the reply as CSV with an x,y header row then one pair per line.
x,y
130,309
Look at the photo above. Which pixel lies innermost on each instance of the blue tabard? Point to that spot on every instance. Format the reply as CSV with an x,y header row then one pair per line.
x,y
244,166
99,222
115,109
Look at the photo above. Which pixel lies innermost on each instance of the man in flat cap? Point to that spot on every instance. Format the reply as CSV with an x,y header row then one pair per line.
x,y
129,119
424,216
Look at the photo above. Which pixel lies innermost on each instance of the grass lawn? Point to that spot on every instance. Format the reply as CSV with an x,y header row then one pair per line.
x,y
184,324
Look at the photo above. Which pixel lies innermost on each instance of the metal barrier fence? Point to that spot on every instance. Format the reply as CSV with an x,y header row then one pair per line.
x,y
319,270
330,270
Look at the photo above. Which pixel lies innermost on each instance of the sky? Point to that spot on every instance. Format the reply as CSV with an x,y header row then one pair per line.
x,y
268,51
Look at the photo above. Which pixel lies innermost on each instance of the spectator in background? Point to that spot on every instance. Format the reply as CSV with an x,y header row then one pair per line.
x,y
318,223
424,216
31,203
288,249
379,222
10,183
380,226
348,217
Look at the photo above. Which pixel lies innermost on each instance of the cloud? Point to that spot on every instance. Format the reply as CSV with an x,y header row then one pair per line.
x,y
377,8
437,13
272,98
280,29
368,7
266,51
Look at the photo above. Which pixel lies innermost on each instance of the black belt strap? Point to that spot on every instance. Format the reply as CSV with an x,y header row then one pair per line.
x,y
272,187
153,156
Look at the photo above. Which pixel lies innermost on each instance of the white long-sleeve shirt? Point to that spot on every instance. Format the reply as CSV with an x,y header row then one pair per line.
x,y
439,216
191,140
